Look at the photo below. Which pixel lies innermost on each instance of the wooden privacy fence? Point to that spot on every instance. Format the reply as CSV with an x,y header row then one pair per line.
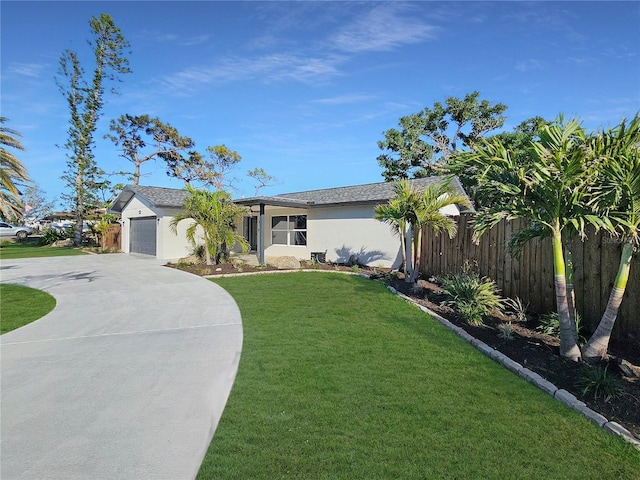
x,y
530,276
112,238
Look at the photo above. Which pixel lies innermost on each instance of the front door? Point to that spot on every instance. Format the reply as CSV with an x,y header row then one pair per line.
x,y
250,229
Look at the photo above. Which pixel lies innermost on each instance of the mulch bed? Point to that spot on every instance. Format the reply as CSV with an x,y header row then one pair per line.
x,y
530,348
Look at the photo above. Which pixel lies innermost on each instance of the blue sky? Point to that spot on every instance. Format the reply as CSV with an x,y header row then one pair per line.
x,y
306,89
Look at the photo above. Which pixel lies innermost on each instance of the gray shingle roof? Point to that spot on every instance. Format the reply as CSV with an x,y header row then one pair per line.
x,y
369,193
158,196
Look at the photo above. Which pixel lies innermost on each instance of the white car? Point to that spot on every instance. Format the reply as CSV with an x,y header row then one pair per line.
x,y
8,230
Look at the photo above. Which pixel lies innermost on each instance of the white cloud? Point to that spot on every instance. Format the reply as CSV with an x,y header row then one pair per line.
x,y
32,70
268,68
182,41
345,99
382,29
528,65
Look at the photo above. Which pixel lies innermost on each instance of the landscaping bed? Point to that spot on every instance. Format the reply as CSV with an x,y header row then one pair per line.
x,y
527,346
540,353
229,268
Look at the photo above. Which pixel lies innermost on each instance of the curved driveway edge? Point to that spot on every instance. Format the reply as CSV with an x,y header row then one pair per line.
x,y
126,378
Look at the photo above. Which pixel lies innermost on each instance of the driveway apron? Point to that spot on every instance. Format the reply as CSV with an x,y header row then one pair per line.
x,y
125,379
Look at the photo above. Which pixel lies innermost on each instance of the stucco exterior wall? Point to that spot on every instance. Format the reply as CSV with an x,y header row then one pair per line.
x,y
169,246
352,231
136,208
173,246
340,232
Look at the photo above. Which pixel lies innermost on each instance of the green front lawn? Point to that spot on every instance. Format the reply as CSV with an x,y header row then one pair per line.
x,y
21,305
30,249
339,379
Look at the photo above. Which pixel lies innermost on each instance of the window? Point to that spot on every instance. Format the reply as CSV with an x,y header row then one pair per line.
x,y
289,230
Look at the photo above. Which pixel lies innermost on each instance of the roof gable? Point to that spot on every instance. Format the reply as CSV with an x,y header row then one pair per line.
x,y
156,196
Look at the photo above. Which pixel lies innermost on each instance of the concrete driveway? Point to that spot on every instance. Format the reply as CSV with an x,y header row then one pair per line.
x,y
125,379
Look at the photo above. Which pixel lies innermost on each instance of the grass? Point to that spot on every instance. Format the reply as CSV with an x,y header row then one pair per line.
x,y
9,250
22,305
339,379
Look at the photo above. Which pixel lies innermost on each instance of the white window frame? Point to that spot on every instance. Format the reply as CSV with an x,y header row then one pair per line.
x,y
290,232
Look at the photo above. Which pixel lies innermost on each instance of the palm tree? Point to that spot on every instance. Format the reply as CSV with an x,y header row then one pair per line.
x,y
428,214
12,172
551,193
215,214
392,214
620,189
396,212
411,210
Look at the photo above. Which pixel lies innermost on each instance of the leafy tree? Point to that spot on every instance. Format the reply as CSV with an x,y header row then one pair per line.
x,y
196,168
12,173
222,162
85,100
142,138
261,179
617,195
35,203
419,209
212,215
428,138
551,193
518,143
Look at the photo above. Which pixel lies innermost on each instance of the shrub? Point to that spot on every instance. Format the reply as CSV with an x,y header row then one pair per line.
x,y
550,325
596,381
471,312
518,308
390,278
199,252
472,296
50,235
505,331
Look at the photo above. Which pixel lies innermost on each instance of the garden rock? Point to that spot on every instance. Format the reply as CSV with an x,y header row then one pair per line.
x,y
67,242
190,260
284,263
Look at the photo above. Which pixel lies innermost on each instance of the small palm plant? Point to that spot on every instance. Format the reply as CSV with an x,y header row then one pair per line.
x,y
597,381
102,227
412,210
472,296
212,216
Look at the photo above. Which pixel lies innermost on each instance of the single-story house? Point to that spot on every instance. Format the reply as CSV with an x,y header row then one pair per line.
x,y
334,224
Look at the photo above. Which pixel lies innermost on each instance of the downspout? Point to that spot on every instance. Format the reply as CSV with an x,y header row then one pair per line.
x,y
261,236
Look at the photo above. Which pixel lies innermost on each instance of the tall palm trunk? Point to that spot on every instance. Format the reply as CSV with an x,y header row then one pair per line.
x,y
417,245
408,263
571,295
596,347
568,338
207,253
402,228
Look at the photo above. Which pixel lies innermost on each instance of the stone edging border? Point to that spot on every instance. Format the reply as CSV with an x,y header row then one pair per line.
x,y
533,378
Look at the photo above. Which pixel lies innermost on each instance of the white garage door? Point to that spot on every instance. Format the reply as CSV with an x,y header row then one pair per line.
x,y
142,235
